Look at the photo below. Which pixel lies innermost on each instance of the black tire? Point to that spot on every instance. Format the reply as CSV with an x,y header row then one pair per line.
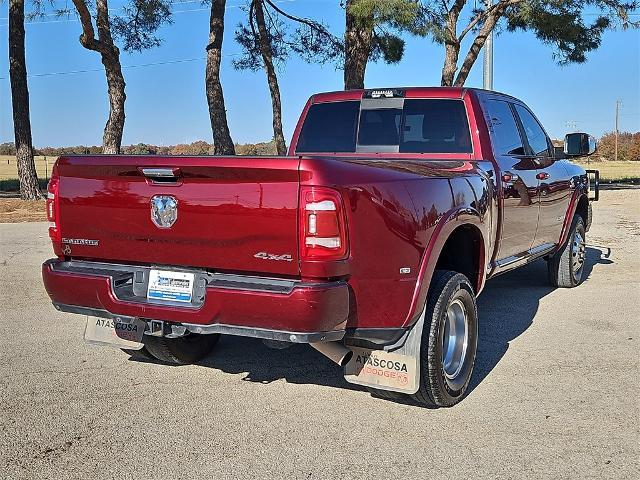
x,y
142,354
438,389
387,394
566,266
182,350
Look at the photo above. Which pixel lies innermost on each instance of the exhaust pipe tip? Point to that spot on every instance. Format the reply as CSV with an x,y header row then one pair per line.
x,y
346,359
334,351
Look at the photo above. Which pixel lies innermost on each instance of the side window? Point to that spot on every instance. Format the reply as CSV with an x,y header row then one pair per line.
x,y
535,134
505,134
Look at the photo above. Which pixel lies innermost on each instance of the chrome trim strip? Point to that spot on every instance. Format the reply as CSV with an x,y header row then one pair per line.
x,y
529,255
159,172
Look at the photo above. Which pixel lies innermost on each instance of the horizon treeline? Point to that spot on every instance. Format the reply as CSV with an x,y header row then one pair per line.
x,y
628,148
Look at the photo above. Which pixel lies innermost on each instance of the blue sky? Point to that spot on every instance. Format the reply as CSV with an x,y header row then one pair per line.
x,y
166,104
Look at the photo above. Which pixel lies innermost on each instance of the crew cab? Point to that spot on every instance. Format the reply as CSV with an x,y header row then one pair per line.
x,y
370,240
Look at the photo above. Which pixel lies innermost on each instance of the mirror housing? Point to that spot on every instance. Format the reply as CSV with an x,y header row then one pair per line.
x,y
579,144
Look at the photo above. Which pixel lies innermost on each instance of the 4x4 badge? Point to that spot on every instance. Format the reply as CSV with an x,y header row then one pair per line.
x,y
271,256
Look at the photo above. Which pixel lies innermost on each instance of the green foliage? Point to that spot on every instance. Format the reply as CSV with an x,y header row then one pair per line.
x,y
562,24
139,149
8,148
260,148
247,37
135,26
287,35
389,19
398,14
199,147
389,46
139,21
77,150
572,28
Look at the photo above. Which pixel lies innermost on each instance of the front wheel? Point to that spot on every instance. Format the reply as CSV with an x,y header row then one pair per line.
x,y
449,341
566,266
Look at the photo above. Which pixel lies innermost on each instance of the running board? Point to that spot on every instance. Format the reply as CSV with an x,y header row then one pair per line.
x,y
508,263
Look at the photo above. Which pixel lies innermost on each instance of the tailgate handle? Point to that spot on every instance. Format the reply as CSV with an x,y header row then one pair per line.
x,y
162,175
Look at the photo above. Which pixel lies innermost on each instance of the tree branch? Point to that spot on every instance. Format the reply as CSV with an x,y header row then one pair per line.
x,y
310,23
87,38
306,21
484,14
492,18
452,20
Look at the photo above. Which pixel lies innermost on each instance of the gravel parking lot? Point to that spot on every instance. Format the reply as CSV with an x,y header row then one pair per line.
x,y
555,392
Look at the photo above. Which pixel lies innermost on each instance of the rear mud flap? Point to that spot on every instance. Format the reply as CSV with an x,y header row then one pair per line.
x,y
397,368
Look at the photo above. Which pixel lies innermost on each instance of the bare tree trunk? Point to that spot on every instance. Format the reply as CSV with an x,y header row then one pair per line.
x,y
29,189
222,143
272,79
357,47
489,24
451,44
452,50
110,55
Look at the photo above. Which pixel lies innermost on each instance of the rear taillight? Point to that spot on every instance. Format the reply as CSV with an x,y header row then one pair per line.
x,y
53,210
323,231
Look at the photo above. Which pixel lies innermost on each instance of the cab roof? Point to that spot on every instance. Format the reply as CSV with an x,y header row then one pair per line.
x,y
406,92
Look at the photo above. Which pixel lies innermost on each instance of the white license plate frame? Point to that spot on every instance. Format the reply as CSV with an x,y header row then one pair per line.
x,y
170,286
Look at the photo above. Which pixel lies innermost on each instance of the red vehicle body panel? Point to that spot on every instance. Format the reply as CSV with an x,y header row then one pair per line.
x,y
230,208
400,211
308,308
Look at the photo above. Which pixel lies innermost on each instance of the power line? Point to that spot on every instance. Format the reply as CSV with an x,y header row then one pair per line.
x,y
140,65
75,19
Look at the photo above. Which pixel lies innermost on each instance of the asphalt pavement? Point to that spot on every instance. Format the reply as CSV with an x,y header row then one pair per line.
x,y
554,394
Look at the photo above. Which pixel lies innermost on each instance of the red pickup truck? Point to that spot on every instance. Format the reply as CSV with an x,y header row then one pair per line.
x,y
370,241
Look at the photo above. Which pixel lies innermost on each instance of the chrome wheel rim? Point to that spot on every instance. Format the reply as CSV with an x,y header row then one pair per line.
x,y
578,251
455,339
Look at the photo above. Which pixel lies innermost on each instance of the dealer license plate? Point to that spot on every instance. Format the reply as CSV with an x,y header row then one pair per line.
x,y
120,332
172,286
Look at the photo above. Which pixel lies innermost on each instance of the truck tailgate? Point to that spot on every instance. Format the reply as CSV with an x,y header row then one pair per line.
x,y
233,213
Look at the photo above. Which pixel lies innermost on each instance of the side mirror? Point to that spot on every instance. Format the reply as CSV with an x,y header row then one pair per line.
x,y
579,144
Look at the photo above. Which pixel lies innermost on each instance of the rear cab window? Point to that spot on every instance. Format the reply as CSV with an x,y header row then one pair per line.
x,y
330,127
386,125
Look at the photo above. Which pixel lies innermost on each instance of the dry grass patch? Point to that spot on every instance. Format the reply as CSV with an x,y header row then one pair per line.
x,y
615,171
9,167
14,210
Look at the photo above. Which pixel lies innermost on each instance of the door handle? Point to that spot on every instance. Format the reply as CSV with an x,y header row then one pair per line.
x,y
161,172
542,176
162,175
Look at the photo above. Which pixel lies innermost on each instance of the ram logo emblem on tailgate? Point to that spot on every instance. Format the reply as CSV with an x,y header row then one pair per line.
x,y
164,210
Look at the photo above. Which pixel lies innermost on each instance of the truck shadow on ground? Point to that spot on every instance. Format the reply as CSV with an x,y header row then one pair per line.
x,y
506,308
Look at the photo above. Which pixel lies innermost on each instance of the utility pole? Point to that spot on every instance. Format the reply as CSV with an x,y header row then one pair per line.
x,y
487,72
618,104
